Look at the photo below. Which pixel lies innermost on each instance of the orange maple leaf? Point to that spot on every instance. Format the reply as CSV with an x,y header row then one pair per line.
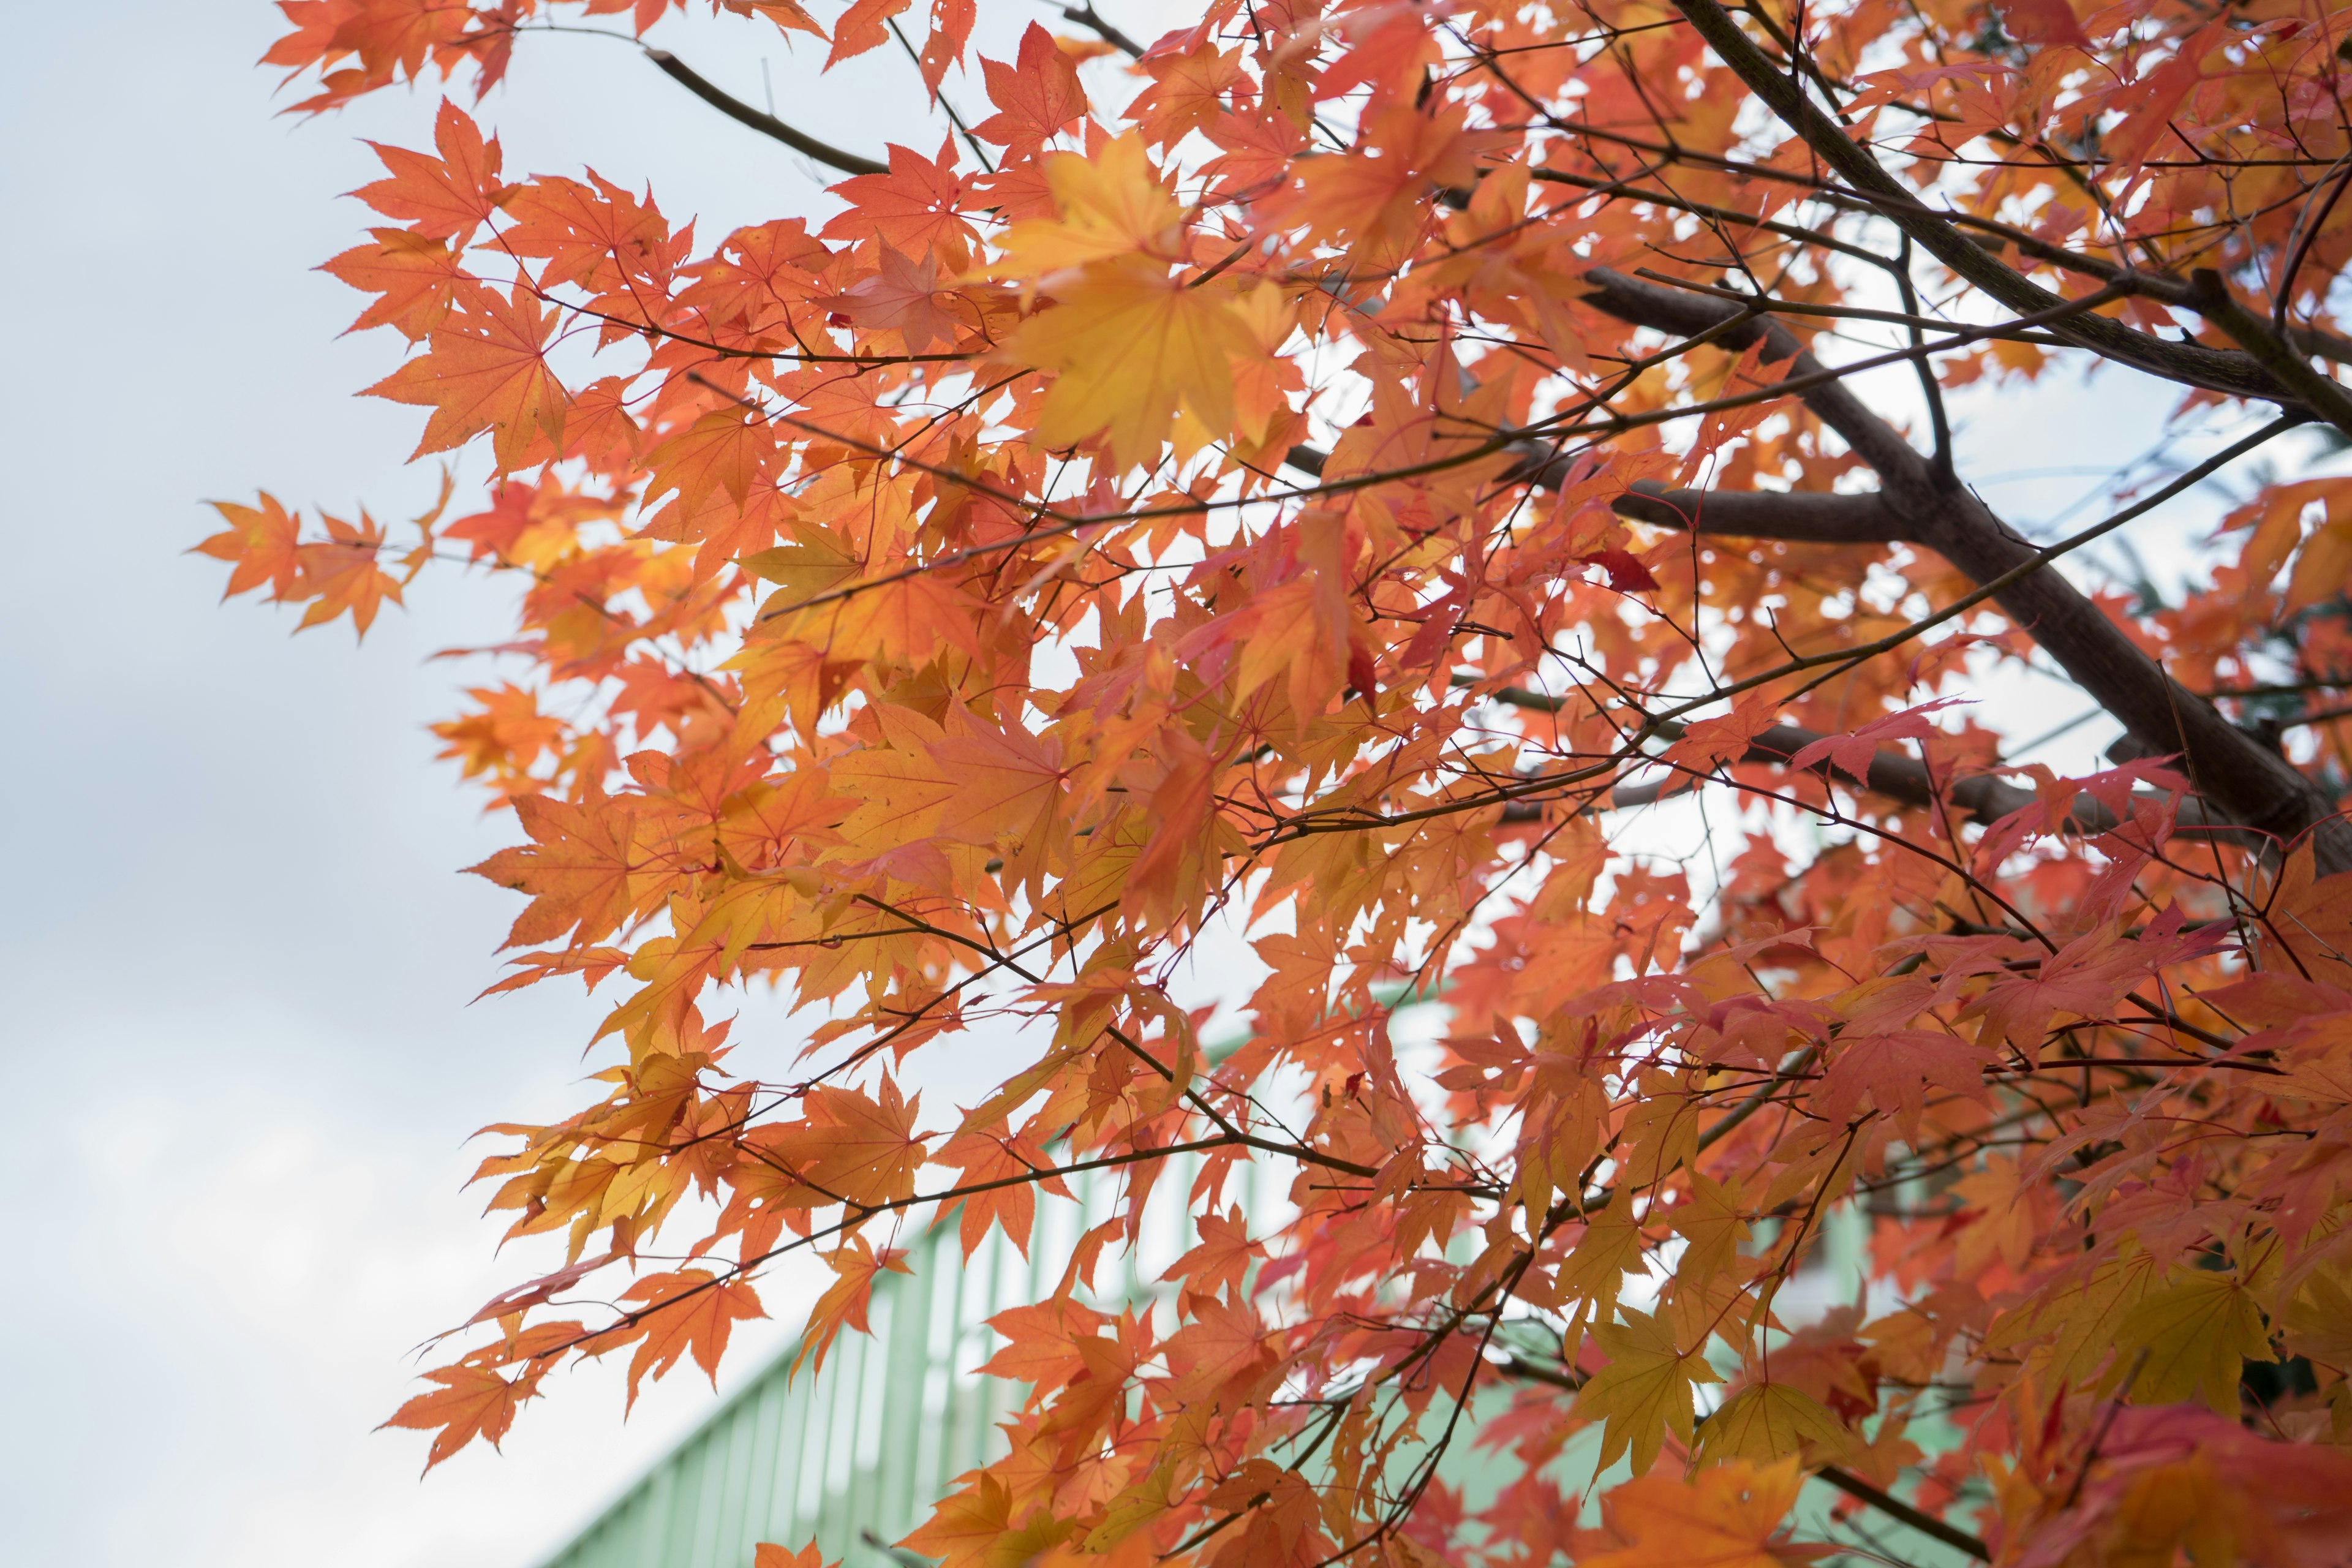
x,y
472,1402
416,275
345,572
1726,1516
692,1311
263,544
446,198
1035,97
856,1266
487,370
1131,347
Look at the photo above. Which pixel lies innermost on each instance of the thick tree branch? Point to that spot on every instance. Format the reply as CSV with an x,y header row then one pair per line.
x,y
1894,1508
1686,315
687,77
1981,798
2216,370
1816,517
1088,16
2278,356
2247,782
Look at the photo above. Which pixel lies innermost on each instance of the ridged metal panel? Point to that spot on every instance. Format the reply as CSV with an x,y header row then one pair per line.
x,y
866,1445
863,1448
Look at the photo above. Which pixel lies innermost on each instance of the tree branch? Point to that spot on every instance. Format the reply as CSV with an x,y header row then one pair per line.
x,y
2216,370
1510,1363
1983,797
687,77
2279,357
1815,517
2247,782
1686,315
1088,16
1894,1508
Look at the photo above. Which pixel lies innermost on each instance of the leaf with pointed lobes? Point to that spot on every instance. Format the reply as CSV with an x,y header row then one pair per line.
x,y
984,1526
918,207
1112,203
446,198
721,450
578,870
1624,570
863,28
1896,1069
1037,97
1851,754
1187,92
2191,1340
2042,22
788,16
487,370
1768,1421
1008,782
1131,346
2088,977
262,542
2177,1482
343,572
904,295
768,1554
854,1148
691,1311
1644,1391
538,1290
1220,1260
472,1402
952,22
856,1266
416,275
1705,743
1724,1516
1378,205
992,1155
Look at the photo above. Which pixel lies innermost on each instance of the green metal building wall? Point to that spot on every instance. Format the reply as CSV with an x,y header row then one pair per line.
x,y
858,1452
865,1445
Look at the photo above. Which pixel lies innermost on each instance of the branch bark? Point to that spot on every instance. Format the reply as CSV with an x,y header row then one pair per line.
x,y
2277,355
767,124
1088,16
1926,1524
1979,797
2250,784
1813,517
2216,370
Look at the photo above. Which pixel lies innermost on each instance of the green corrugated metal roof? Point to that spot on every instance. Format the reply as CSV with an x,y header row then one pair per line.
x,y
859,1450
828,1454
868,1443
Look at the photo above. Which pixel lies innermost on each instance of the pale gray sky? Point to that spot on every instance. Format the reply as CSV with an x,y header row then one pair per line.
x,y
236,955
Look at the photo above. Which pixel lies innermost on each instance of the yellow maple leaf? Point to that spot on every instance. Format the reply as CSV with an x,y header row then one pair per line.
x,y
1131,345
2196,1334
1111,204
1767,1421
1645,1390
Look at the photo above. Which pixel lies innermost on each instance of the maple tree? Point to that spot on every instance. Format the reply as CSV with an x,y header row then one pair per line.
x,y
1328,475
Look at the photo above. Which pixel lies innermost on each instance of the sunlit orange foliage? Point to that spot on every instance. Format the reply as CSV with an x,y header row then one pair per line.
x,y
1325,478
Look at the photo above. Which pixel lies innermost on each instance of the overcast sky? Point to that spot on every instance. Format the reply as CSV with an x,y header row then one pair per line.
x,y
237,957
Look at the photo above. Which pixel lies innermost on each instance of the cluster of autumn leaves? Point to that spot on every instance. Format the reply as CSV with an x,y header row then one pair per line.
x,y
1141,520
